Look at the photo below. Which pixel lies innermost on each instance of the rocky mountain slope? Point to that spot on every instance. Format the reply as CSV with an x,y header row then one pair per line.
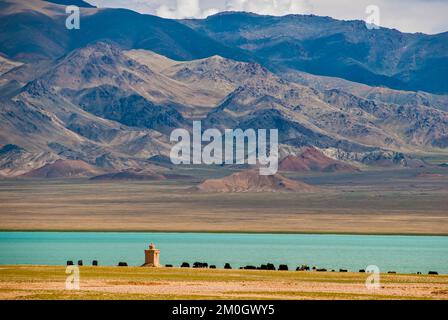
x,y
115,109
63,169
16,161
312,159
112,104
7,65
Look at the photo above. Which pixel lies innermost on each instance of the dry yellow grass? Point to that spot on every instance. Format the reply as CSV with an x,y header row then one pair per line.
x,y
48,282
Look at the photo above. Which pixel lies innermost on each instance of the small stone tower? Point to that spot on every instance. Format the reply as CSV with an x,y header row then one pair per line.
x,y
152,256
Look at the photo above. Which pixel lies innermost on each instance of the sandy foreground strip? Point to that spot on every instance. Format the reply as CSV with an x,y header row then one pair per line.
x,y
48,282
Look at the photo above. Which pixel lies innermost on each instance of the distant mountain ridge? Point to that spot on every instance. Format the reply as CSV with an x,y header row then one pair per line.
x,y
330,47
318,45
35,29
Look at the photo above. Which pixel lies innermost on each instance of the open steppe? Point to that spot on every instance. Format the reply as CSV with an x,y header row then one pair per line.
x,y
384,202
45,282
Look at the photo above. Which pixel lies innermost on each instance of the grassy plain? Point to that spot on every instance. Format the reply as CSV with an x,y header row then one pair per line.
x,y
48,282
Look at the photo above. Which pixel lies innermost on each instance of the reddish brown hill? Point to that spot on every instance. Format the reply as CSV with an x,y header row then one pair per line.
x,y
63,169
252,181
313,160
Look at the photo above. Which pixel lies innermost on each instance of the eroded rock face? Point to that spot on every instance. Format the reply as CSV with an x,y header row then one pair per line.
x,y
252,181
312,159
377,158
15,161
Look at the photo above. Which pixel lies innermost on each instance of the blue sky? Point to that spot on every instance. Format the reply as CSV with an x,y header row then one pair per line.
x,y
428,16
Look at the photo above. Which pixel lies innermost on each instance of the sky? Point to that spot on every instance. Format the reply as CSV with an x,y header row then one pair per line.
x,y
427,16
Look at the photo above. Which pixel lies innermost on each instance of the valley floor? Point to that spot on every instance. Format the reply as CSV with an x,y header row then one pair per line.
x,y
48,282
399,202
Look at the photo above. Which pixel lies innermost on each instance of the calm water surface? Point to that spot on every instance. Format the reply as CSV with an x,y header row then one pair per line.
x,y
405,254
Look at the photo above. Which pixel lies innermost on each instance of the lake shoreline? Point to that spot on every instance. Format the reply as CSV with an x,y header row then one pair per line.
x,y
191,268
404,253
232,232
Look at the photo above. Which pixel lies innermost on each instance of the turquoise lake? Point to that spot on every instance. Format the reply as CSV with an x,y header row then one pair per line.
x,y
406,254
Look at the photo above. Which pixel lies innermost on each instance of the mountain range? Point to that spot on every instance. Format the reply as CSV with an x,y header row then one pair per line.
x,y
110,93
330,47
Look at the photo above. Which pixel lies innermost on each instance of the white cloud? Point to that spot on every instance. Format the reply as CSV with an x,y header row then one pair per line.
x,y
209,12
182,9
269,7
